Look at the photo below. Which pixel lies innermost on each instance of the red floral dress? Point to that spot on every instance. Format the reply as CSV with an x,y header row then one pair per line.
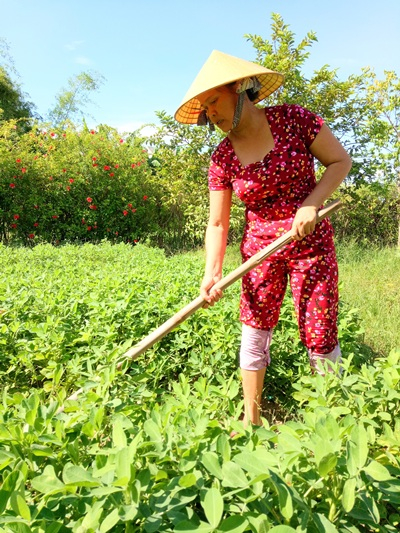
x,y
272,191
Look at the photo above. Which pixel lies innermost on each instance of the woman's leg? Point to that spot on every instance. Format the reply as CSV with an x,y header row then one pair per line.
x,y
252,383
254,359
314,282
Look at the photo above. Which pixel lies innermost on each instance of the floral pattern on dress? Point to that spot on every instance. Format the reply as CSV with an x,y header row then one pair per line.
x,y
272,190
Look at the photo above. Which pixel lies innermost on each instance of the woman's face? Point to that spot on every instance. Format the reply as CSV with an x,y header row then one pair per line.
x,y
219,105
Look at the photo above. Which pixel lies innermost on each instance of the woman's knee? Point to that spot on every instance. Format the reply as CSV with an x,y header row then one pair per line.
x,y
254,348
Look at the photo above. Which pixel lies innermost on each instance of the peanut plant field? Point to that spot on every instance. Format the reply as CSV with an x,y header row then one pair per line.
x,y
149,448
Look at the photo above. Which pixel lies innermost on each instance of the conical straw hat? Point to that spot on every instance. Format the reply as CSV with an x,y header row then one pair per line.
x,y
221,69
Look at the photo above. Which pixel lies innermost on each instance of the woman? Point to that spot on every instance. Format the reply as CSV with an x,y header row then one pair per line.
x,y
267,159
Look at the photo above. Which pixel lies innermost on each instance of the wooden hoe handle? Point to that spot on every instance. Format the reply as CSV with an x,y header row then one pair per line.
x,y
225,282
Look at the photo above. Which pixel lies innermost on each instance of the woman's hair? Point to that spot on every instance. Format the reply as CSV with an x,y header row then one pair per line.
x,y
251,93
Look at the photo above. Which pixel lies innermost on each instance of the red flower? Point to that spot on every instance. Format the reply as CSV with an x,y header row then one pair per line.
x,y
88,199
16,217
14,226
106,167
64,170
133,210
89,228
133,165
31,235
51,178
116,233
68,188
36,224
23,170
36,206
83,221
125,212
18,160
130,205
94,227
52,134
121,141
71,180
94,158
92,206
145,197
116,166
95,165
12,185
54,216
111,174
92,132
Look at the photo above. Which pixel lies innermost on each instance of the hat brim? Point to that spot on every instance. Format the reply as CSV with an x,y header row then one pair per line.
x,y
219,70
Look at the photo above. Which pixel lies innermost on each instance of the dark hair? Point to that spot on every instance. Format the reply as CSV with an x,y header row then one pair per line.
x,y
251,93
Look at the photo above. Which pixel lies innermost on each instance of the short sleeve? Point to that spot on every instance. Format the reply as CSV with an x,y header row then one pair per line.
x,y
217,177
309,124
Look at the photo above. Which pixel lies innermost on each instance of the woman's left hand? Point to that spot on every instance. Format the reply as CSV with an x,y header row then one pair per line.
x,y
304,222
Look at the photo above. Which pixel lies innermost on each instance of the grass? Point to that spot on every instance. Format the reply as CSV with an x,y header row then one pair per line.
x,y
370,282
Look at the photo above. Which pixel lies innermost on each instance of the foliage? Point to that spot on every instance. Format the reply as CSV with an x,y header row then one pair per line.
x,y
362,111
74,184
148,449
71,100
14,104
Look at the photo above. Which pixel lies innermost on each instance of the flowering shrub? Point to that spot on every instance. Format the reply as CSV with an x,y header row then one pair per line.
x,y
75,185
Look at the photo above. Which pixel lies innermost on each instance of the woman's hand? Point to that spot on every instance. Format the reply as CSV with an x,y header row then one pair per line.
x,y
210,295
304,222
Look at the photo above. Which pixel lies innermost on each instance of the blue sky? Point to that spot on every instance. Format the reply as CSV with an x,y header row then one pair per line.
x,y
149,51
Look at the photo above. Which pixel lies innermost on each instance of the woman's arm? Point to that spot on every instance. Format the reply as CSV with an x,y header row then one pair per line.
x,y
216,239
330,152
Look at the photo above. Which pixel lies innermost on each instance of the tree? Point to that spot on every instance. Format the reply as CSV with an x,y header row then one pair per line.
x,y
14,104
379,133
71,100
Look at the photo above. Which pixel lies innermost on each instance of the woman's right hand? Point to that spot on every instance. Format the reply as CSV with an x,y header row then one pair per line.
x,y
210,295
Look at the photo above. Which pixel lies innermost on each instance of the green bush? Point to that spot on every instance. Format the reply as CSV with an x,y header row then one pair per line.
x,y
75,185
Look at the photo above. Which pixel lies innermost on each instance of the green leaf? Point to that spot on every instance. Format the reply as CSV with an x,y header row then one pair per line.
x,y
233,476
282,529
259,524
11,481
256,462
234,524
213,505
188,480
23,508
285,500
327,464
78,476
48,482
118,434
4,497
323,524
360,449
110,521
349,494
188,526
377,471
153,431
211,462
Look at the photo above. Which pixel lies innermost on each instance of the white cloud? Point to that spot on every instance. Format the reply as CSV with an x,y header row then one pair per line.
x,y
73,45
82,60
